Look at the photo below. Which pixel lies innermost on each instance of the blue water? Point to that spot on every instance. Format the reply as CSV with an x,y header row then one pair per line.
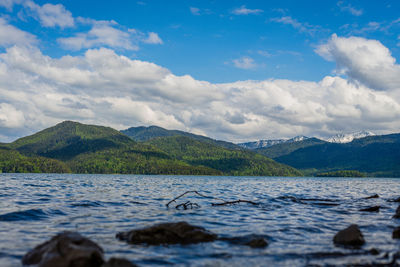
x,y
299,216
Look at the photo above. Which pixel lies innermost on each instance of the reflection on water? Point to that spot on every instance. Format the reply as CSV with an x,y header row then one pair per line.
x,y
299,216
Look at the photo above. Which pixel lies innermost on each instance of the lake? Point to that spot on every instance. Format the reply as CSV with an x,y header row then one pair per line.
x,y
298,216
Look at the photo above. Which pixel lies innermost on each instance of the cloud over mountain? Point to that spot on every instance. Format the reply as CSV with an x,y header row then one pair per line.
x,y
104,87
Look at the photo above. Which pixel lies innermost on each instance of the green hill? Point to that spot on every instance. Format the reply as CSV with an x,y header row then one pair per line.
x,y
13,161
373,155
143,134
230,162
69,139
79,148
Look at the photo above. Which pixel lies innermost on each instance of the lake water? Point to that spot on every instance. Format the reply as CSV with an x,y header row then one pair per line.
x,y
34,207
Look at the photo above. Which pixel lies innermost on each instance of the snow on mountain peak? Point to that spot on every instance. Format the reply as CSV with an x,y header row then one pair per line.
x,y
348,137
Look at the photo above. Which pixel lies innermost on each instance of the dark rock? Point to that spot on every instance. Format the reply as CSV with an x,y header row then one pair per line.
x,y
168,233
371,209
396,233
373,196
254,241
394,200
68,249
351,236
374,251
397,215
116,262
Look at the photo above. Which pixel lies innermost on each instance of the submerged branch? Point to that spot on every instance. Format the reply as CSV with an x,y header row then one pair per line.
x,y
191,205
234,202
187,192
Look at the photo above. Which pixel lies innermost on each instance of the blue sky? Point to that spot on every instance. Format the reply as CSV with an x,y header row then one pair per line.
x,y
235,70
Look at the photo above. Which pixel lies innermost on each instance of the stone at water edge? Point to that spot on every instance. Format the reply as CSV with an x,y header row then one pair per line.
x,y
373,196
351,236
396,233
253,241
397,215
67,249
371,209
168,233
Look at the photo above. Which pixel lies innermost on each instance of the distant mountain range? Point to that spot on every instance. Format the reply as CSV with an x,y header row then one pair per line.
x,y
268,143
347,138
338,138
80,148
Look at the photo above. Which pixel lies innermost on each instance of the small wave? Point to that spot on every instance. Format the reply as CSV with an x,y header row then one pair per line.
x,y
86,203
29,215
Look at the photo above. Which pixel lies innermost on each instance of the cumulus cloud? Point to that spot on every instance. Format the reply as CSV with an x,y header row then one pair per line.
x,y
50,15
10,35
244,63
9,4
108,34
246,11
363,60
153,38
100,35
10,117
104,87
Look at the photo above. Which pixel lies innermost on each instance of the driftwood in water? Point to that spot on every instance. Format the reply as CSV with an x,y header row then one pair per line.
x,y
234,202
191,205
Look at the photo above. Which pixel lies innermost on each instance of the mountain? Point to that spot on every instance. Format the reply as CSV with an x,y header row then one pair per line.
x,y
69,139
97,149
267,143
230,162
142,134
80,148
286,148
13,161
347,138
373,155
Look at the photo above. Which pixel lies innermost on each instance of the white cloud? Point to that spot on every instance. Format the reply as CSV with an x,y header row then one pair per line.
x,y
10,35
100,35
10,117
363,60
300,26
246,11
153,38
195,11
50,15
8,4
103,87
108,34
244,63
349,8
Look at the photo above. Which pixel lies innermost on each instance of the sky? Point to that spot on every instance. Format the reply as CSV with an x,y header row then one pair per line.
x,y
232,70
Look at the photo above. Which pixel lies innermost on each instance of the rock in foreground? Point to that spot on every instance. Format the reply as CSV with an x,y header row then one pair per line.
x,y
253,241
396,233
67,249
371,209
397,214
168,233
351,236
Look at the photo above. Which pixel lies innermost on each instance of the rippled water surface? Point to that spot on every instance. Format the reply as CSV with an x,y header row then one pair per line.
x,y
299,216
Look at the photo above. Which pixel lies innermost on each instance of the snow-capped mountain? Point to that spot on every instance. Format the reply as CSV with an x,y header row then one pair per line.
x,y
348,137
268,143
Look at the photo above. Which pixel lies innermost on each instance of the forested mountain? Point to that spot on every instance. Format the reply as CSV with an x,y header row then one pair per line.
x,y
373,155
141,134
231,162
79,148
